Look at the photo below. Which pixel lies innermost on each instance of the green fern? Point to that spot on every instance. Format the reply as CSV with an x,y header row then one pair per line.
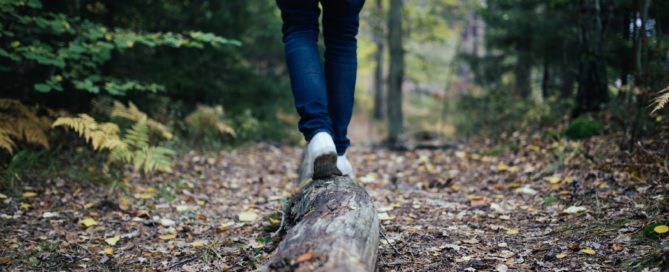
x,y
140,154
134,148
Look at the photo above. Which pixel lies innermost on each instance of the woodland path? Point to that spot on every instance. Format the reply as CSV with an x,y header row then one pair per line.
x,y
527,205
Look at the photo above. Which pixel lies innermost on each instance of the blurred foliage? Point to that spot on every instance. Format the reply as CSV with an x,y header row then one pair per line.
x,y
167,57
582,128
207,124
21,123
536,49
492,113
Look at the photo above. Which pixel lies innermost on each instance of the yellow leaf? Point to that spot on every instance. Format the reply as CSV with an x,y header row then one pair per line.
x,y
89,205
588,251
2,196
29,194
88,222
661,229
108,251
113,240
554,179
129,43
26,206
170,236
201,202
198,243
151,189
512,231
248,216
561,255
144,196
124,203
502,167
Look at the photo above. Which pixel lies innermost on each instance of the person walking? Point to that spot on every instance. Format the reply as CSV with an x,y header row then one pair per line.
x,y
323,93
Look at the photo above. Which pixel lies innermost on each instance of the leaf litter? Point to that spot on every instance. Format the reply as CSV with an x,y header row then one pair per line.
x,y
457,209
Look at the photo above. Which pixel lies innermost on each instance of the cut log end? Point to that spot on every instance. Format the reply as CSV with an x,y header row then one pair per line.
x,y
332,226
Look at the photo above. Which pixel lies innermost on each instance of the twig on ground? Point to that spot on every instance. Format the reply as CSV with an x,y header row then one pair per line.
x,y
184,261
383,233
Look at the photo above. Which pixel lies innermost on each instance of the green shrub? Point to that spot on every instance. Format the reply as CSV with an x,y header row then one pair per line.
x,y
582,128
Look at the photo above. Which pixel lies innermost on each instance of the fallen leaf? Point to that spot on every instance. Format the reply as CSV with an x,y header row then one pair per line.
x,y
588,251
88,222
248,216
124,203
616,247
113,240
2,196
26,206
501,268
198,243
169,236
108,251
502,167
526,190
574,209
187,268
513,231
661,229
561,255
554,179
165,222
144,196
49,214
29,194
385,216
305,257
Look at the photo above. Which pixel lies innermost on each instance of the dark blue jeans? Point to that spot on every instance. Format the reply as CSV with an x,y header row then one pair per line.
x,y
323,93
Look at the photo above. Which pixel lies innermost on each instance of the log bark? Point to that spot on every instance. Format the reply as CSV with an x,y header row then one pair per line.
x,y
332,226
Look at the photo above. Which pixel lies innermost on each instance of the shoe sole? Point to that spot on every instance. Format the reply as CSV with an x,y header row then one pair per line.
x,y
326,166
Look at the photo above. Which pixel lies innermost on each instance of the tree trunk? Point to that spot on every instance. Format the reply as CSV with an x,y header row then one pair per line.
x,y
593,86
378,72
333,226
522,71
396,74
545,80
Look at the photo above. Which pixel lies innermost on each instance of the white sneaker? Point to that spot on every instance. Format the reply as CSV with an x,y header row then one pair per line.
x,y
320,158
344,166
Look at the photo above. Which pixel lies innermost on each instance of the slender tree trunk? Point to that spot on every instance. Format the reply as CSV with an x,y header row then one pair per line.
x,y
545,80
592,87
396,74
378,71
522,75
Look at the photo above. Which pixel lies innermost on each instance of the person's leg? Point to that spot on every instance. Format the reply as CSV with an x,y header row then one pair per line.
x,y
300,37
340,27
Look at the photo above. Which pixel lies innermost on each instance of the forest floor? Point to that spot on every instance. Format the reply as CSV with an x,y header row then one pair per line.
x,y
526,204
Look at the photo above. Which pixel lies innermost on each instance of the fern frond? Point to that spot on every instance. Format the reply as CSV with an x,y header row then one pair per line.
x,y
206,118
132,113
156,158
100,136
23,124
138,135
6,142
660,101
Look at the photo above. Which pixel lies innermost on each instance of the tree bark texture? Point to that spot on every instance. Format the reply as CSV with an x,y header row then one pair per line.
x,y
333,226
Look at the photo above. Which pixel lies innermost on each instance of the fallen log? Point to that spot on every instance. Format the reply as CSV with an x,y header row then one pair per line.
x,y
332,226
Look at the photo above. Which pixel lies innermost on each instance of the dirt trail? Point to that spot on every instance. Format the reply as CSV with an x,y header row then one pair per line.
x,y
529,205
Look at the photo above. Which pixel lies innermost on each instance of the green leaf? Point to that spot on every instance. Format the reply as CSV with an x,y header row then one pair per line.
x,y
42,88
